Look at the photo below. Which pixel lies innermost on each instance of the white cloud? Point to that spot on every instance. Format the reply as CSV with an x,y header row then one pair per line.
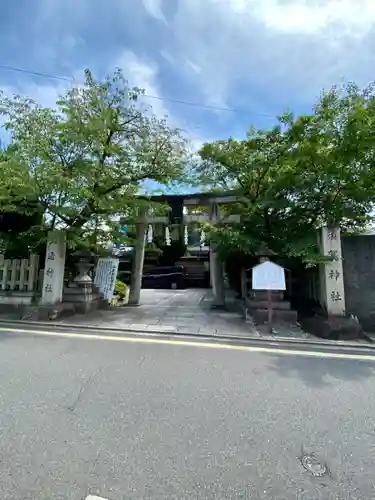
x,y
154,9
45,95
288,49
44,91
352,17
138,71
193,66
167,56
144,74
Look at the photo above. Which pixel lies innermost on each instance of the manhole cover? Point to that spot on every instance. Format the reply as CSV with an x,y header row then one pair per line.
x,y
313,465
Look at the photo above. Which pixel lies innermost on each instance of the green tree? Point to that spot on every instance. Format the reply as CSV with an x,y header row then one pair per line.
x,y
81,164
307,171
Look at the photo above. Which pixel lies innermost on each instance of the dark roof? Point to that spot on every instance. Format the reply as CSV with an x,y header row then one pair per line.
x,y
191,196
265,252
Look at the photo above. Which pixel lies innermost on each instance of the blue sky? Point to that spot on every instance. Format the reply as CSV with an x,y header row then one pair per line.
x,y
256,56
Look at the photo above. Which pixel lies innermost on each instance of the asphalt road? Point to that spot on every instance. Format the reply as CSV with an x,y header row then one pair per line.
x,y
132,421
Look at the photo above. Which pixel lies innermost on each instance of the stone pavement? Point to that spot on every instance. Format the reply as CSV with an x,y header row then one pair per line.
x,y
283,331
185,312
175,311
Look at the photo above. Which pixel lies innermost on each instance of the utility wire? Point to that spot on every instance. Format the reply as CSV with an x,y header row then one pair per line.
x,y
35,73
177,101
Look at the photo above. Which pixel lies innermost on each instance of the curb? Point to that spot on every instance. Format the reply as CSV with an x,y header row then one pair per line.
x,y
295,342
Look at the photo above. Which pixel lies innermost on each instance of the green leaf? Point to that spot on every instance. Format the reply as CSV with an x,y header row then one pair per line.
x,y
308,171
82,164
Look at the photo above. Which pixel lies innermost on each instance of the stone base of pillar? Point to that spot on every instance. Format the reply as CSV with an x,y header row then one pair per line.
x,y
218,307
333,327
83,296
77,298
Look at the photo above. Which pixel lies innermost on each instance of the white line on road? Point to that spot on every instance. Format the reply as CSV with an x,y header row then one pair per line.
x,y
93,497
206,345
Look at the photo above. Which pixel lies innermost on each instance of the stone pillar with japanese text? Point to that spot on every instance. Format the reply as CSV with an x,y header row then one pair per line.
x,y
54,267
332,293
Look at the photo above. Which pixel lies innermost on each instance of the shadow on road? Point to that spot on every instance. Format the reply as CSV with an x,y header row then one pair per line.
x,y
9,335
318,372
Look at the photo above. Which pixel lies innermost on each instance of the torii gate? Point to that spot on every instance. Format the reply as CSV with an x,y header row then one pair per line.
x,y
177,216
331,293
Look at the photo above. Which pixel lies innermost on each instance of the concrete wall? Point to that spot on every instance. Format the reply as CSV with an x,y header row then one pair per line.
x,y
359,277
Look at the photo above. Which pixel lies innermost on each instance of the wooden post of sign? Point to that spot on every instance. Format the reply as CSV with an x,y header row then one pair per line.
x,y
270,309
268,277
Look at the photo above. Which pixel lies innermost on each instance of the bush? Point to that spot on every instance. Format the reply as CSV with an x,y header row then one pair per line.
x,y
121,289
152,251
173,253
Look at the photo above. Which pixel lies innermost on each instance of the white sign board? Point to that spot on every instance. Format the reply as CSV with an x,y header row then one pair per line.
x,y
105,276
268,276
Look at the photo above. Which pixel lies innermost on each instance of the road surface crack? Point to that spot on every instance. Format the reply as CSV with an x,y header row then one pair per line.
x,y
85,384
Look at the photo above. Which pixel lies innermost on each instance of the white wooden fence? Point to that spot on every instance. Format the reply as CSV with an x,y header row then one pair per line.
x,y
19,275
